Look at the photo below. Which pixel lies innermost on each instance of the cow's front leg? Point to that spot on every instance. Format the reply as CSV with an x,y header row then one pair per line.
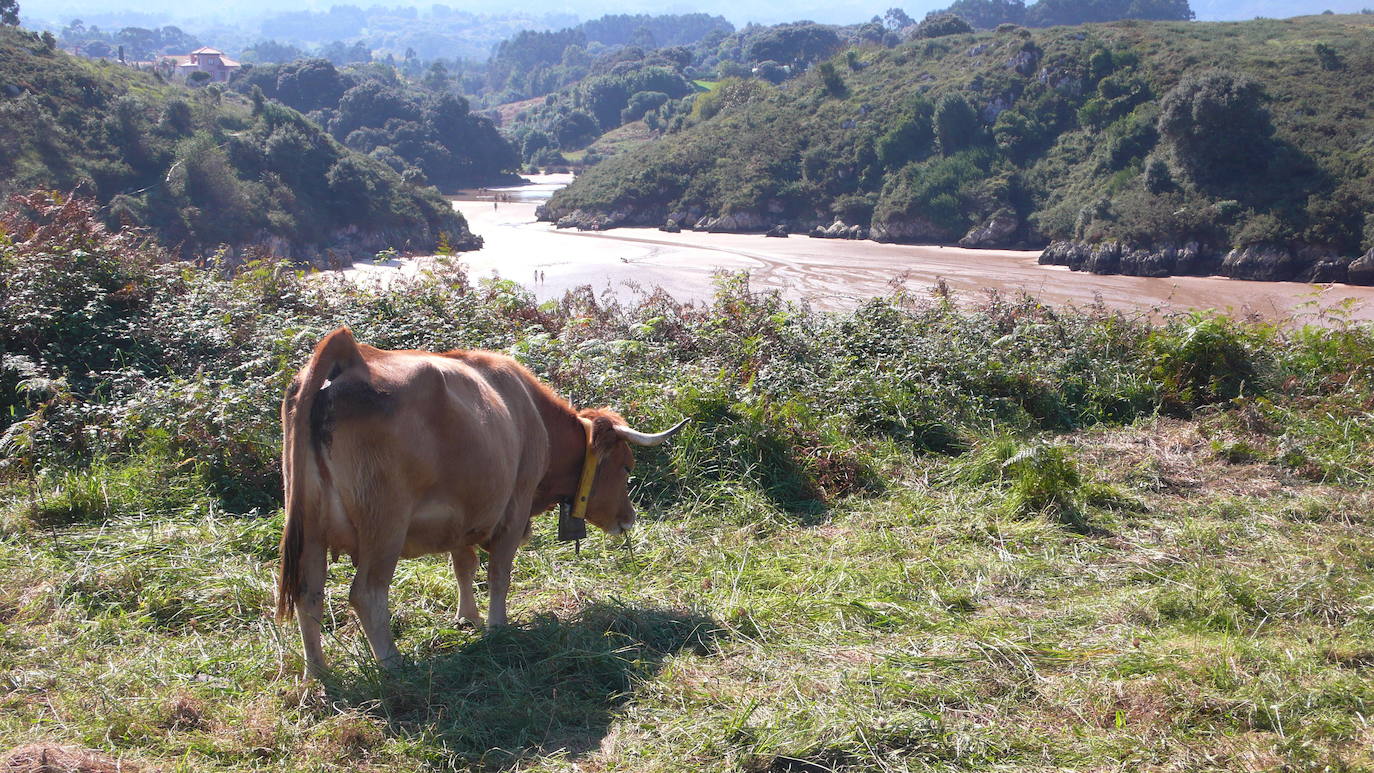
x,y
501,558
370,594
465,570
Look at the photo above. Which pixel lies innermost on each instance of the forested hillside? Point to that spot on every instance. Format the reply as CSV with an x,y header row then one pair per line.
x,y
988,14
534,63
202,167
1147,147
422,129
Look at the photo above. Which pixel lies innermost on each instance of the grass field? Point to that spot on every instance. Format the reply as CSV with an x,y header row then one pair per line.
x,y
1217,616
916,536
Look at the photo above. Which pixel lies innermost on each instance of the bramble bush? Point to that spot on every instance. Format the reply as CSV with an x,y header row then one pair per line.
x,y
117,359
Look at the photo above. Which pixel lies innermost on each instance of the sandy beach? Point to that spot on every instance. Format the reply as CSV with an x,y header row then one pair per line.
x,y
833,274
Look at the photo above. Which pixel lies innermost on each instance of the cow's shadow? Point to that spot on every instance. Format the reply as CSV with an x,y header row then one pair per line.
x,y
493,699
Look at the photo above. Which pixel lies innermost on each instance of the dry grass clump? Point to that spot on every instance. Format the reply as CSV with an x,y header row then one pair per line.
x,y
55,758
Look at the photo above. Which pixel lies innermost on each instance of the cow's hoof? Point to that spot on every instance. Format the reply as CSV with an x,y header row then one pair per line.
x,y
474,623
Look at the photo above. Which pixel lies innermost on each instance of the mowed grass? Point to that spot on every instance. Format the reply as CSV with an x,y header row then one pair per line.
x,y
1205,612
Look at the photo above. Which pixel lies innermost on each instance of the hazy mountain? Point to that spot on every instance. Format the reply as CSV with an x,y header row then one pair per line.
x,y
168,11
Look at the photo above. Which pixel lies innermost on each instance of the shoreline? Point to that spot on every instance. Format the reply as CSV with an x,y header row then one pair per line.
x,y
831,274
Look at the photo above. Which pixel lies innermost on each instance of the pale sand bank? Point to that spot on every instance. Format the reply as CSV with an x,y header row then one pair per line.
x,y
836,274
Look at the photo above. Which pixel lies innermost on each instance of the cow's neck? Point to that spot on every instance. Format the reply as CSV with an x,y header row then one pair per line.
x,y
567,452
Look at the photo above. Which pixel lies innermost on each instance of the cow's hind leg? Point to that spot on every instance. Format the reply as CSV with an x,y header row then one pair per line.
x,y
370,595
310,606
465,570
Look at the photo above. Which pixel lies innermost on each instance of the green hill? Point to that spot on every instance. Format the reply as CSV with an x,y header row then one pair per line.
x,y
201,167
1148,148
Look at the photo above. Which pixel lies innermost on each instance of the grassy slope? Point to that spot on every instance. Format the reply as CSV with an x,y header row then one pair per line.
x,y
905,538
799,153
1226,626
614,142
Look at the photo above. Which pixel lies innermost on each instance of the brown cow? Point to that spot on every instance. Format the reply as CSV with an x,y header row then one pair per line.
x,y
389,454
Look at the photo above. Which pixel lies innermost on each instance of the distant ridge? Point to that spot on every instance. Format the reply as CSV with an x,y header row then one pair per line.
x,y
1149,148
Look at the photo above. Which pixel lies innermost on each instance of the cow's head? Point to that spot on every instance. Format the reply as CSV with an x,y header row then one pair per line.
x,y
608,505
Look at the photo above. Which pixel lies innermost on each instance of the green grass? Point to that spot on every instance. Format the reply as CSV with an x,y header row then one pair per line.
x,y
1226,625
914,536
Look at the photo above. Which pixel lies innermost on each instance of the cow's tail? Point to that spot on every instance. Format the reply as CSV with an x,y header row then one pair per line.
x,y
337,351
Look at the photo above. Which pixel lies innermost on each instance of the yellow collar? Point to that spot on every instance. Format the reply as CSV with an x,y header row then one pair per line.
x,y
584,486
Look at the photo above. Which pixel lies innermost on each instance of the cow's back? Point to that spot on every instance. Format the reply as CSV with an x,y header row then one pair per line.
x,y
435,445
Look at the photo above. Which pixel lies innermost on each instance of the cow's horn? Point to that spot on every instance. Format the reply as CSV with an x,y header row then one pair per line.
x,y
645,439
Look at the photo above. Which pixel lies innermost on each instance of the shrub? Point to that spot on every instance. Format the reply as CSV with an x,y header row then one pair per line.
x,y
910,137
1216,127
1045,480
938,25
1205,359
1328,57
956,125
1038,478
831,79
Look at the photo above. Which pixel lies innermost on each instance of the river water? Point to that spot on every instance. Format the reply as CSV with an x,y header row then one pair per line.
x,y
837,274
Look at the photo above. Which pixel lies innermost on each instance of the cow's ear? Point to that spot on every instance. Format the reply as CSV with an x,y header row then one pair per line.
x,y
604,436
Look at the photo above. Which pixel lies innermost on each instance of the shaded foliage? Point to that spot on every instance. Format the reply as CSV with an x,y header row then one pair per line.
x,y
1216,127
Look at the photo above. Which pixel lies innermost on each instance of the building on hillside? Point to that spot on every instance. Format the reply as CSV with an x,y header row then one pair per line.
x,y
208,60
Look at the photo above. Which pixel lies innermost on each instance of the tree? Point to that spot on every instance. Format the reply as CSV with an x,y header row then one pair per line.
x,y
605,96
1216,127
772,72
987,14
437,77
795,44
640,103
910,138
897,19
137,42
351,185
269,51
176,116
831,79
575,130
956,125
534,142
307,84
643,37
1159,10
172,40
9,12
370,103
938,25
1049,13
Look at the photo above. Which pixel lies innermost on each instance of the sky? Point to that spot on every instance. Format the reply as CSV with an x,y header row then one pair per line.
x,y
739,12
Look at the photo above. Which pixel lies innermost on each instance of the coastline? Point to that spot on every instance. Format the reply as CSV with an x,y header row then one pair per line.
x,y
839,274
830,274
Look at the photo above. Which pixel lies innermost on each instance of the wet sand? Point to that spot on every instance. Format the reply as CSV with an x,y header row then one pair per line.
x,y
835,274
